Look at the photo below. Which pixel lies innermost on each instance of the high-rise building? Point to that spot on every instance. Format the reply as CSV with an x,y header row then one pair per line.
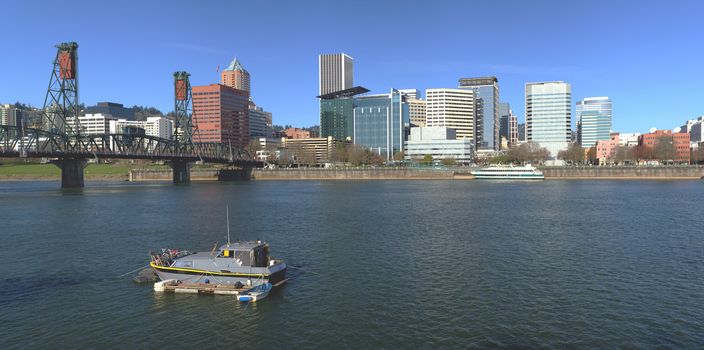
x,y
153,126
695,128
504,122
486,94
522,132
336,113
380,123
221,114
10,115
416,111
594,116
335,72
452,108
235,76
512,130
411,94
549,115
260,122
116,110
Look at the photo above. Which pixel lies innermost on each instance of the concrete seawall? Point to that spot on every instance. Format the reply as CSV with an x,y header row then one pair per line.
x,y
644,172
551,173
352,174
166,175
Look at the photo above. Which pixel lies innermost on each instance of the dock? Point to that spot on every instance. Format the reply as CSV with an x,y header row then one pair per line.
x,y
173,286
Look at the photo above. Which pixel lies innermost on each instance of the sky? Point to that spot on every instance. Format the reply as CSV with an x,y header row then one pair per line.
x,y
648,56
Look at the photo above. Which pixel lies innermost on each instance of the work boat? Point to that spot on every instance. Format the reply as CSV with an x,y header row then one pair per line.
x,y
246,263
509,172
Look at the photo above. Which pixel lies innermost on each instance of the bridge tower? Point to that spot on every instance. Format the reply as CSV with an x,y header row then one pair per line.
x,y
61,102
183,126
61,110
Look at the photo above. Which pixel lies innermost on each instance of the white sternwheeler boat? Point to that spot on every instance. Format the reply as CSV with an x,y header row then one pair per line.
x,y
508,172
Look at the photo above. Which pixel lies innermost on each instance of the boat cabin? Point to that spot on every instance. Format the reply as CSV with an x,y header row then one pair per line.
x,y
248,254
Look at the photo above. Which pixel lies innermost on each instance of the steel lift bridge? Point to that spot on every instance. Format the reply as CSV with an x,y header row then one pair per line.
x,y
60,137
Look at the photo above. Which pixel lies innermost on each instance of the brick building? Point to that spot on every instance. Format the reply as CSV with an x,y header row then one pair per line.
x,y
221,114
296,133
648,145
604,151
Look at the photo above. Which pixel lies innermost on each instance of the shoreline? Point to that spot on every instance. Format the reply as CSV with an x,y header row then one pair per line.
x,y
391,178
106,173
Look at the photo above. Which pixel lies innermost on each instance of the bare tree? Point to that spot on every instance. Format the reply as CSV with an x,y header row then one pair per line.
x,y
664,150
574,154
624,154
528,152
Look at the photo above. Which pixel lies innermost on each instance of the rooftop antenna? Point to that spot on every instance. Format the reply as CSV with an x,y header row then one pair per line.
x,y
227,208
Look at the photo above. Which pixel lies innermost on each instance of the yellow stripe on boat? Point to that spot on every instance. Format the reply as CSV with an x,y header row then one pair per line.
x,y
169,268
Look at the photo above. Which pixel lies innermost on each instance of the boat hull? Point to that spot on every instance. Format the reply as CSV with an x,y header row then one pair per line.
x,y
509,177
273,275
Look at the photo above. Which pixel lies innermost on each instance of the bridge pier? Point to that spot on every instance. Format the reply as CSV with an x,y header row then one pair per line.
x,y
243,174
71,171
181,171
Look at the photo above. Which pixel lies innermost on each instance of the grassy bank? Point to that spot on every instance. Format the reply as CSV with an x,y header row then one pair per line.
x,y
52,172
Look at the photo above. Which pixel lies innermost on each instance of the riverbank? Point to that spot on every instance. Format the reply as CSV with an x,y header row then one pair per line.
x,y
551,173
128,172
93,172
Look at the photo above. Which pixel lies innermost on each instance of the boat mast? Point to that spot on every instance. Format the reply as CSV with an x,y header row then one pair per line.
x,y
227,208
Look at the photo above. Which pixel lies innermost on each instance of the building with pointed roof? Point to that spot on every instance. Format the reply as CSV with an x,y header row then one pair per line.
x,y
235,76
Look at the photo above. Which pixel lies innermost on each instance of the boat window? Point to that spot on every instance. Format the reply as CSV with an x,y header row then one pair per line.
x,y
182,263
260,257
244,257
226,254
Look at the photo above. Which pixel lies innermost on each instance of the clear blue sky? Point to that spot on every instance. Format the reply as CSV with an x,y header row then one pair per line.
x,y
648,56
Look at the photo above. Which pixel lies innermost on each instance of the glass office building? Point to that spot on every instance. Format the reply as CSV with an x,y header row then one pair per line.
x,y
336,113
549,115
486,96
594,115
380,123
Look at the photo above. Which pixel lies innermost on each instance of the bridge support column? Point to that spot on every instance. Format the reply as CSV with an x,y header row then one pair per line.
x,y
71,171
243,174
181,171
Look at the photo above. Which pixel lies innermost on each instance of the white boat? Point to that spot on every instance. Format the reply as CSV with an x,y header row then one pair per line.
x,y
509,172
257,292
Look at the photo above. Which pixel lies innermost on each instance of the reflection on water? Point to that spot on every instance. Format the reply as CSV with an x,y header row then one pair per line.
x,y
382,264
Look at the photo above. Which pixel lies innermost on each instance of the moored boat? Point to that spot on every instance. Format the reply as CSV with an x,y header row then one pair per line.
x,y
247,263
257,292
509,172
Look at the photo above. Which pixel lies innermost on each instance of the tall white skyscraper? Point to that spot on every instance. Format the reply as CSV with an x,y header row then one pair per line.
x,y
594,115
452,108
549,115
335,72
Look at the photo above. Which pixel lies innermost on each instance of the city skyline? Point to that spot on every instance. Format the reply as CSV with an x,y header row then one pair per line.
x,y
629,58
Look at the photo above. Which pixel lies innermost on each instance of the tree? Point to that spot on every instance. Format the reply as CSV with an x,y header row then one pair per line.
x,y
340,153
574,153
427,159
448,161
528,152
252,147
624,154
144,112
664,150
399,156
357,155
697,156
503,158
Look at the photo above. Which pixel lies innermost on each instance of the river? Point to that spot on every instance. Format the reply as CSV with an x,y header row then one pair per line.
x,y
375,264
